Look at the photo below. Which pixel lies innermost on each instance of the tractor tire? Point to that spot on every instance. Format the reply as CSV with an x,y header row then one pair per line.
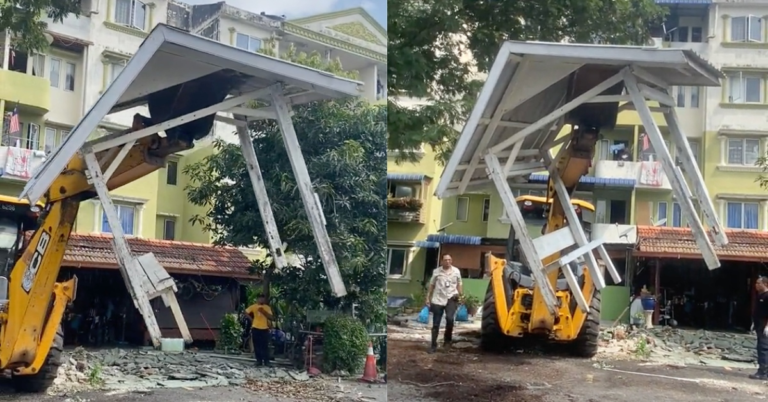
x,y
492,339
585,344
44,378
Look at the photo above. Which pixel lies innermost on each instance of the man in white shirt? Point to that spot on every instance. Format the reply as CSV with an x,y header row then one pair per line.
x,y
445,290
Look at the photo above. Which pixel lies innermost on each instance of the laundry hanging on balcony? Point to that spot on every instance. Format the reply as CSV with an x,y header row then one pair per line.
x,y
651,174
18,163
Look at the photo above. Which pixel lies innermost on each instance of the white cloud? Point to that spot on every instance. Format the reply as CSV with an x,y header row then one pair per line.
x,y
289,8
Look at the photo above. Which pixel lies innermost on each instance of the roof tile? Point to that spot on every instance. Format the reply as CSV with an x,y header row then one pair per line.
x,y
749,245
94,250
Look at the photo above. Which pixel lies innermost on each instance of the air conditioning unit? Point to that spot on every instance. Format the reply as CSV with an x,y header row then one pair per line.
x,y
656,43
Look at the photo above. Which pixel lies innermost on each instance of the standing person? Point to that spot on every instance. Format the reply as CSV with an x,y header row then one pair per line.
x,y
445,289
260,314
760,319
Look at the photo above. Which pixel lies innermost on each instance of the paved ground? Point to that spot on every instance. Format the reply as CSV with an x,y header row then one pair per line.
x,y
468,375
315,391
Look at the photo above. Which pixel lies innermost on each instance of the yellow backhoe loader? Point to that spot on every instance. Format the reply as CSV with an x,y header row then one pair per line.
x,y
183,80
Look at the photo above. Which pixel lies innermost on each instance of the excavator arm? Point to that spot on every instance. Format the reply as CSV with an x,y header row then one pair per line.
x,y
36,302
32,317
573,163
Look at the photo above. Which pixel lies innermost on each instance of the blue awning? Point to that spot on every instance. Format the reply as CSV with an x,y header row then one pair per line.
x,y
427,244
589,180
407,176
455,239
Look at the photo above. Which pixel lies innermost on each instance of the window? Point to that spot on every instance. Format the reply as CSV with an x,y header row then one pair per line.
x,y
746,29
247,42
55,72
742,151
694,150
114,70
680,98
69,77
402,190
661,214
694,97
741,215
132,13
744,89
33,137
682,34
126,215
677,215
169,229
171,173
50,139
696,34
486,209
38,65
397,261
462,209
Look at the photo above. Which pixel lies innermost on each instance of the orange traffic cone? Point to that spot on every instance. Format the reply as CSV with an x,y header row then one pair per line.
x,y
370,374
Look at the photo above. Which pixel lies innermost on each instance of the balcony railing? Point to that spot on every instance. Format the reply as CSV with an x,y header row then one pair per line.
x,y
645,174
405,209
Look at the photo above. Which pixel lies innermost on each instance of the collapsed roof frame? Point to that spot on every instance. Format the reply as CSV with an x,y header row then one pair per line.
x,y
169,57
520,112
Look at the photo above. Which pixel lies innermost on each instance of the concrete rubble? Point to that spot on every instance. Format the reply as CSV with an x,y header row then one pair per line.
x,y
135,370
680,346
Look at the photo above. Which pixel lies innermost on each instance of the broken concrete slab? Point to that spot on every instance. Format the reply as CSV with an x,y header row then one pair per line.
x,y
142,369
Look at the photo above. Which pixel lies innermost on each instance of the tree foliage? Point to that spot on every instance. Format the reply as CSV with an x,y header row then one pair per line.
x,y
23,19
343,144
436,47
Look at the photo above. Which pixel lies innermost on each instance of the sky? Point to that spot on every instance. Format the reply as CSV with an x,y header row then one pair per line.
x,y
302,8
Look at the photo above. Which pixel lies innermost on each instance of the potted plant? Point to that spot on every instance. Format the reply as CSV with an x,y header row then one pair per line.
x,y
404,207
472,303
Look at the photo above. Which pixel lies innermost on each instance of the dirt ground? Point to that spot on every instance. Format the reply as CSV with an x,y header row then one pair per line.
x,y
327,390
468,375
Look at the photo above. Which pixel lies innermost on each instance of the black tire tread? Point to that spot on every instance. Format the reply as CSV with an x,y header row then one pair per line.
x,y
491,337
586,343
43,379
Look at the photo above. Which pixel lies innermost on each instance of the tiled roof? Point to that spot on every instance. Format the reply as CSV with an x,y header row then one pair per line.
x,y
95,251
743,245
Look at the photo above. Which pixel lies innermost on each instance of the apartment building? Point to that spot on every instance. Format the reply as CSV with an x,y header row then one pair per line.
x,y
51,90
726,127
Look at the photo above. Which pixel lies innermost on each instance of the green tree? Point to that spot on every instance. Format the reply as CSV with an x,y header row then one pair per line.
x,y
22,19
429,39
343,144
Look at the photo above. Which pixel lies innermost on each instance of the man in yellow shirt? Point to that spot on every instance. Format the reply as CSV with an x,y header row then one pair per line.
x,y
260,314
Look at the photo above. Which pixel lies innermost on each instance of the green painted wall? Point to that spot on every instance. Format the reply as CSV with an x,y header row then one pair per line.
x,y
476,287
405,234
185,230
474,225
614,300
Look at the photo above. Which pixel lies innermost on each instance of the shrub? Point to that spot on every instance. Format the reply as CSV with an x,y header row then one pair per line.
x,y
345,344
230,334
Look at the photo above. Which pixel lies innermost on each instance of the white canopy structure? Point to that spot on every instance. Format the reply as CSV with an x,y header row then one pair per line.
x,y
170,57
532,91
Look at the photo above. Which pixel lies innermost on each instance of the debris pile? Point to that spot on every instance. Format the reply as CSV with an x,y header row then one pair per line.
x,y
121,369
670,343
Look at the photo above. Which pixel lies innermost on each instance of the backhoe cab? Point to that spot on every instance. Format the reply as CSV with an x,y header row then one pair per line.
x,y
543,108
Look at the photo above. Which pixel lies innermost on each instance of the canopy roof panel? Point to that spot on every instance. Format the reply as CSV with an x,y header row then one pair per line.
x,y
169,57
530,80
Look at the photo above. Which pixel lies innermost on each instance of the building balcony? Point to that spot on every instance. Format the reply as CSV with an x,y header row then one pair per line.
x,y
405,209
647,175
17,163
33,94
